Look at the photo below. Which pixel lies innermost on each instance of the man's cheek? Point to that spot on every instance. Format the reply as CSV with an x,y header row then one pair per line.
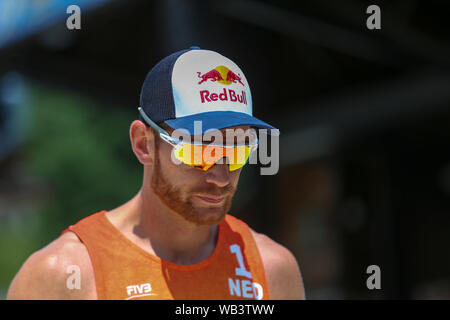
x,y
235,178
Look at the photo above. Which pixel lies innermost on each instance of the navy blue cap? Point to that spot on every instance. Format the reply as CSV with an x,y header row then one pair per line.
x,y
198,85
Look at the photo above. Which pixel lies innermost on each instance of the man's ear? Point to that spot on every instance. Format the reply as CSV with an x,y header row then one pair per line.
x,y
142,142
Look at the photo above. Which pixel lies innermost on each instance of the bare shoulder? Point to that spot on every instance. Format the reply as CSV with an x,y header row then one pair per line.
x,y
61,270
282,271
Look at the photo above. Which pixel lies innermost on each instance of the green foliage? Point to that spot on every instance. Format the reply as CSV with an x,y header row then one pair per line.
x,y
80,151
83,151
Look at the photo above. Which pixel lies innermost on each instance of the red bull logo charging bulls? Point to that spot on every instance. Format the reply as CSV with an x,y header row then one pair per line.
x,y
225,76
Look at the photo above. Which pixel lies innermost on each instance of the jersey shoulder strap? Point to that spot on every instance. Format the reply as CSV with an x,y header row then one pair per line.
x,y
240,239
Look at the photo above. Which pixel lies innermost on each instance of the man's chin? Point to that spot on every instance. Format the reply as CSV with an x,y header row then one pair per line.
x,y
202,213
206,216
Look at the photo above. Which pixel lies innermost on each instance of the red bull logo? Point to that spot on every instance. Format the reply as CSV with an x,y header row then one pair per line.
x,y
225,95
221,74
225,76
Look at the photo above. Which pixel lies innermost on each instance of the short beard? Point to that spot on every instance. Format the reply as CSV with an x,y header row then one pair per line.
x,y
171,196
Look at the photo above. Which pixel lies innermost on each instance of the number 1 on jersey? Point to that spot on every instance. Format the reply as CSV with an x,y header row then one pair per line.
x,y
241,271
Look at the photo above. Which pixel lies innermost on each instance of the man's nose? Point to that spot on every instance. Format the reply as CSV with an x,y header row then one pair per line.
x,y
219,174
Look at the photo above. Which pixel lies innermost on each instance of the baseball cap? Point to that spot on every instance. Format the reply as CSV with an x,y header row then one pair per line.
x,y
198,85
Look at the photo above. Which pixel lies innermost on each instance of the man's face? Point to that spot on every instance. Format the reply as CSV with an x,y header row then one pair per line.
x,y
201,197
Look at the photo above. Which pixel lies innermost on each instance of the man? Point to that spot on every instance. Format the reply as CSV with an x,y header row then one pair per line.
x,y
174,239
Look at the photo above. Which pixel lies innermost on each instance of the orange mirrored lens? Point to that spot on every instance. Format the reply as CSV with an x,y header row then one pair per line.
x,y
205,156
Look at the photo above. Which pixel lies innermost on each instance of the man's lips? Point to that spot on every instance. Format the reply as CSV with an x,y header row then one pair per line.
x,y
211,199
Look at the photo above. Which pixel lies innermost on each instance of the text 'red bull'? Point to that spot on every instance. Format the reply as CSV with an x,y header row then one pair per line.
x,y
226,95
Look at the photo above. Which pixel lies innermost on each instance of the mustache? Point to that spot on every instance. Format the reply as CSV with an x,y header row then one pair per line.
x,y
215,191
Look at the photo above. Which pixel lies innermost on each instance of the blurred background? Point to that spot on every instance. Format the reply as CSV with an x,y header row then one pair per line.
x,y
364,117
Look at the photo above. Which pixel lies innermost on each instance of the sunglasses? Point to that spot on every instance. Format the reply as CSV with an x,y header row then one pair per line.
x,y
205,155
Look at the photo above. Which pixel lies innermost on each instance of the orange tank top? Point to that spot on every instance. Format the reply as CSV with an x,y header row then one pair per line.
x,y
123,270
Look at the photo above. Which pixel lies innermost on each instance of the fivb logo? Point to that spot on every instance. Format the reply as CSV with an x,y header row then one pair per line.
x,y
139,290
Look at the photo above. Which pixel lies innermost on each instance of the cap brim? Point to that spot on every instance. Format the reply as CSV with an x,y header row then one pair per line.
x,y
216,120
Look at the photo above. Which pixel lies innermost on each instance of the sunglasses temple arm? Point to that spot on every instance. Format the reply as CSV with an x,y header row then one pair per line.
x,y
162,133
151,123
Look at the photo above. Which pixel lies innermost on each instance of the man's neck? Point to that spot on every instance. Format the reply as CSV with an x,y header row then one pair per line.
x,y
151,225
